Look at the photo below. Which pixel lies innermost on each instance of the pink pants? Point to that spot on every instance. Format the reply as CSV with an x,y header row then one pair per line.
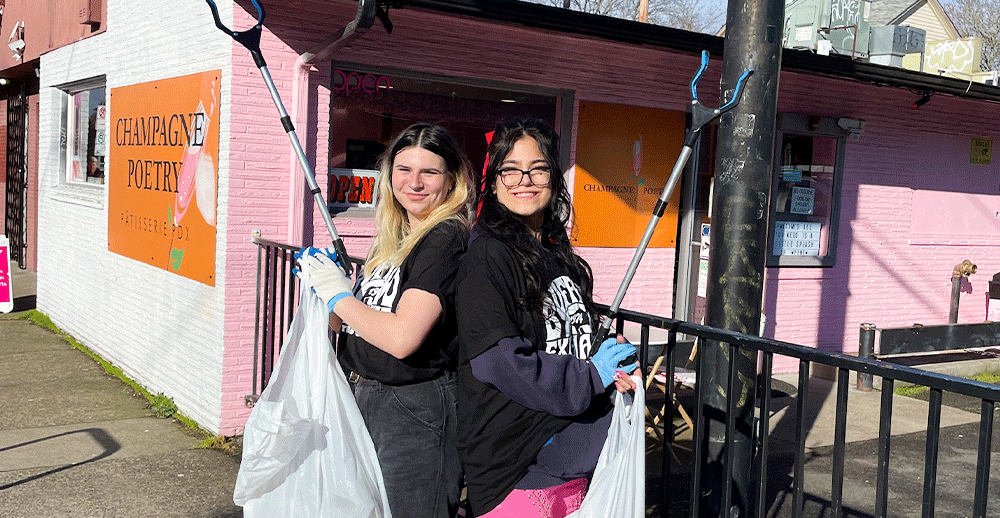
x,y
553,502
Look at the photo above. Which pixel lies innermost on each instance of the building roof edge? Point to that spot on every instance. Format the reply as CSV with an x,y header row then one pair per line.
x,y
566,21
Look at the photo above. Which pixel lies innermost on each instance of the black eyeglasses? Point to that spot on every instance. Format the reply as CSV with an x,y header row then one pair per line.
x,y
538,176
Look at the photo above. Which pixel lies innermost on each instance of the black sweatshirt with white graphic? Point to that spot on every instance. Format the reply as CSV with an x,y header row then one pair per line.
x,y
533,412
430,267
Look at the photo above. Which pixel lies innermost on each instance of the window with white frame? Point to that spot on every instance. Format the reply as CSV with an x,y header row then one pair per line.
x,y
84,132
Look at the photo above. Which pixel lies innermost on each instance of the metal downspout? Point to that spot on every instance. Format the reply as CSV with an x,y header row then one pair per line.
x,y
364,19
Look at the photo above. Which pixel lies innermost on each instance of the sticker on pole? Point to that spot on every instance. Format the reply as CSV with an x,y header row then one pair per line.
x,y
6,293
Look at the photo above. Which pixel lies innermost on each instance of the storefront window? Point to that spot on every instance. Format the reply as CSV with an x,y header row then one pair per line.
x,y
84,130
370,106
805,197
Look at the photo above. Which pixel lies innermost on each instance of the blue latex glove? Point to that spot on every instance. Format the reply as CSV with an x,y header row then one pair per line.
x,y
607,358
310,251
326,277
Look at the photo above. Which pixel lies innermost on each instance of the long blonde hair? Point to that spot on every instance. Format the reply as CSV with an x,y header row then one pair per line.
x,y
394,239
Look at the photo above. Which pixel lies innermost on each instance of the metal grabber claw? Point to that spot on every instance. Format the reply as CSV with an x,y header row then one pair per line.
x,y
701,115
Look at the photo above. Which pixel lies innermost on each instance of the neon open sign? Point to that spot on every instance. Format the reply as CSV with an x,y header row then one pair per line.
x,y
347,82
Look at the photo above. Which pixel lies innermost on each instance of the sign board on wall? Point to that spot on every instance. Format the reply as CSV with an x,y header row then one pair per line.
x,y
163,173
797,238
6,290
980,151
624,155
703,256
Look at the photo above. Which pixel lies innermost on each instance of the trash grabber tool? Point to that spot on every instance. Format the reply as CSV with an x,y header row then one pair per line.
x,y
250,39
700,117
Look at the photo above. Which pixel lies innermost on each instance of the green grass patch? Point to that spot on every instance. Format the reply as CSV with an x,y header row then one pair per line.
x,y
918,391
221,443
988,377
161,405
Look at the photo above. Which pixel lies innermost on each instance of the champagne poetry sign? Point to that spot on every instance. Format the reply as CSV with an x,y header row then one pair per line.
x,y
163,173
624,156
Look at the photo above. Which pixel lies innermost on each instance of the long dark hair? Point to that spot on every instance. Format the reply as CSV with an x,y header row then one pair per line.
x,y
552,244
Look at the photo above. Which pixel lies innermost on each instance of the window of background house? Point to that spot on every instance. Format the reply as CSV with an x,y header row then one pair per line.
x,y
805,191
84,132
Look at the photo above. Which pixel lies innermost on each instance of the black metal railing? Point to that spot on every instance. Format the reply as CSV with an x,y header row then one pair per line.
x,y
277,297
276,301
987,394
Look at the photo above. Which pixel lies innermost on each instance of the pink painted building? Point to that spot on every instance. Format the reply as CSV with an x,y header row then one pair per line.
x,y
873,201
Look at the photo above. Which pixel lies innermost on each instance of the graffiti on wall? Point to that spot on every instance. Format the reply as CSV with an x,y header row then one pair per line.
x,y
845,12
961,55
848,14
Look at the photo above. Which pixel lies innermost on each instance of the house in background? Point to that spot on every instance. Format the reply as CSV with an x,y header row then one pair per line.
x,y
917,35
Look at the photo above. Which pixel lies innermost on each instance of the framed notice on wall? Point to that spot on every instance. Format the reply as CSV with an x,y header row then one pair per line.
x,y
981,151
624,156
163,173
797,238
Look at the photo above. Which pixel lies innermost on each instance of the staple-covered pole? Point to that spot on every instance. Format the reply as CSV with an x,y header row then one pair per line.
x,y
743,170
866,349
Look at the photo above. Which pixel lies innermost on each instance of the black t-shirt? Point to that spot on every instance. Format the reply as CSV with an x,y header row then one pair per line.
x,y
431,267
498,439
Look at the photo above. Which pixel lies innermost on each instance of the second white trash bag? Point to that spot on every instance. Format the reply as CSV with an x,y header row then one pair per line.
x,y
306,451
618,488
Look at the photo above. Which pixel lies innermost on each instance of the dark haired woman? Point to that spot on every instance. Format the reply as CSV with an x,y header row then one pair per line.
x,y
533,410
398,345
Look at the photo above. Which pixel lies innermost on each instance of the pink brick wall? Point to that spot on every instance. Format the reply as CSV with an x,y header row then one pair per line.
x,y
882,275
890,270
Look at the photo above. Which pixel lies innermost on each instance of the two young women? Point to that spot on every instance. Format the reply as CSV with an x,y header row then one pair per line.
x,y
533,412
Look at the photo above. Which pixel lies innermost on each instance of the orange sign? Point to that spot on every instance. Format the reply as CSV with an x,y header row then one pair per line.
x,y
162,173
624,155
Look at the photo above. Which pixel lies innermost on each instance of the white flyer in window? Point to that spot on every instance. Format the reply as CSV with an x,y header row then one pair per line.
x,y
803,199
101,126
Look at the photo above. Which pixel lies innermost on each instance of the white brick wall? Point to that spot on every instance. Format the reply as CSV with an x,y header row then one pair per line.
x,y
165,331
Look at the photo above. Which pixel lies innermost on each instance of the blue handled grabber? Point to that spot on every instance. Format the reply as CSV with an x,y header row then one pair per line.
x,y
700,117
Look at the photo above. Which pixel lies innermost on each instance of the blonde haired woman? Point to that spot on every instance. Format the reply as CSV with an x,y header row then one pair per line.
x,y
398,343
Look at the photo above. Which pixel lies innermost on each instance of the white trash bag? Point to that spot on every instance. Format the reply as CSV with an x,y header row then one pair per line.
x,y
306,451
618,488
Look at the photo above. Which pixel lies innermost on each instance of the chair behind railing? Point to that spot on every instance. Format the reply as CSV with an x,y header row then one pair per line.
x,y
276,301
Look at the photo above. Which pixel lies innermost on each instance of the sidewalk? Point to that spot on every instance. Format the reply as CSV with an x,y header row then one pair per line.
x,y
77,442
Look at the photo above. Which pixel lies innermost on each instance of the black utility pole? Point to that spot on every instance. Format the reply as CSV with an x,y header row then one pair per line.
x,y
743,170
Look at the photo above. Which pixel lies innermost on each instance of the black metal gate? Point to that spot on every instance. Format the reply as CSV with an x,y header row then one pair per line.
x,y
17,176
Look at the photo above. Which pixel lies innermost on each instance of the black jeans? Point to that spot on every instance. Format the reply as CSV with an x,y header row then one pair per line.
x,y
414,428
